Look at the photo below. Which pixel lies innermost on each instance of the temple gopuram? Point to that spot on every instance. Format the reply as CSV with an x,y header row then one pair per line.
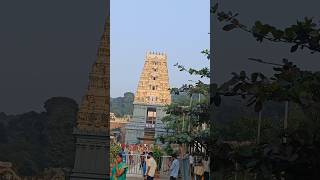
x,y
150,99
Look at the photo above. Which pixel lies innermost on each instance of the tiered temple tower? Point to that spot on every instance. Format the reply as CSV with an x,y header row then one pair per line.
x,y
151,97
92,131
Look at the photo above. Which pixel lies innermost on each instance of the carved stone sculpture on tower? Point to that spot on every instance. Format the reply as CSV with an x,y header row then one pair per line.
x,y
151,97
93,113
153,87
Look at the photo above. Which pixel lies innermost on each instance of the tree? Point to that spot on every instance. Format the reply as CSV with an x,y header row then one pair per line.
x,y
114,151
36,141
3,133
296,158
61,115
122,105
184,120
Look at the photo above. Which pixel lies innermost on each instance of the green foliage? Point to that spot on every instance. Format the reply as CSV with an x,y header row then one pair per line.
x,y
236,143
182,99
184,120
114,151
36,141
245,129
157,153
269,160
168,150
303,34
288,83
24,145
122,105
61,115
3,133
298,157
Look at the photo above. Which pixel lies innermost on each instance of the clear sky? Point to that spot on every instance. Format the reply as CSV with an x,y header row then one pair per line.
x,y
178,27
47,47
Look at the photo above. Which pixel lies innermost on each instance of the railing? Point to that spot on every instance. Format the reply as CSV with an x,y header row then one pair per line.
x,y
149,125
133,162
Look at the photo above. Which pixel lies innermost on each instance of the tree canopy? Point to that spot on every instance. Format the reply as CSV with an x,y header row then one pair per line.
x,y
34,141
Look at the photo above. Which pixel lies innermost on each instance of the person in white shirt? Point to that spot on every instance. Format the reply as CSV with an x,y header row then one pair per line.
x,y
151,166
147,164
206,167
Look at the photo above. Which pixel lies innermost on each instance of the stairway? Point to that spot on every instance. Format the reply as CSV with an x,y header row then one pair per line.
x,y
149,134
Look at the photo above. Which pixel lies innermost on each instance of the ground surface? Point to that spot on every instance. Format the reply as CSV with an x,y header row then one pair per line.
x,y
134,177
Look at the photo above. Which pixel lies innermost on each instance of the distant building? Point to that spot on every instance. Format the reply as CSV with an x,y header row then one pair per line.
x,y
151,97
117,127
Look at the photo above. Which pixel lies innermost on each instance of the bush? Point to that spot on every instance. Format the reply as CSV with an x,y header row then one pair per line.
x,y
114,150
157,153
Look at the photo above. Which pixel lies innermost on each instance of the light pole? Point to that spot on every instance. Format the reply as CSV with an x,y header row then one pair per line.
x,y
285,121
259,127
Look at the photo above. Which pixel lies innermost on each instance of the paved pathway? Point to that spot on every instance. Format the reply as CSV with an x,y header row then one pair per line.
x,y
137,177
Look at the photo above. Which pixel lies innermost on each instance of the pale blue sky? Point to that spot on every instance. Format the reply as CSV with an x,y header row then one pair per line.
x,y
178,27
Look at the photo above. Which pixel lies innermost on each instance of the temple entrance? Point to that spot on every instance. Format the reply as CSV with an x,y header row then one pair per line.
x,y
151,117
149,130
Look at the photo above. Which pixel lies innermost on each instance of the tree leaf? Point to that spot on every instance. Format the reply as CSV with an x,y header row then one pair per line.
x,y
294,48
254,77
243,75
214,8
229,27
285,61
235,21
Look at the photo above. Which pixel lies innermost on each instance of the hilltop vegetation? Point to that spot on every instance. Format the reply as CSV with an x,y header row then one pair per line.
x,y
34,141
124,105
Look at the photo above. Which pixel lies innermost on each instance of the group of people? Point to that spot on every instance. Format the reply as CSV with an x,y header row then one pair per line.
x,y
136,148
148,166
199,167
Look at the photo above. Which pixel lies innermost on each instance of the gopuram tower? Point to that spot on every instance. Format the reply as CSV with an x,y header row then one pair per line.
x,y
151,97
92,130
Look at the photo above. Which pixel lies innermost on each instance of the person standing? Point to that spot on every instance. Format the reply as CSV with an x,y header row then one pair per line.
x,y
206,169
123,153
152,166
132,160
143,165
119,171
191,162
174,168
198,169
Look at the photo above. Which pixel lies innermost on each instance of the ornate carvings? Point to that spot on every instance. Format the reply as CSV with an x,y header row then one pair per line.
x,y
153,87
94,111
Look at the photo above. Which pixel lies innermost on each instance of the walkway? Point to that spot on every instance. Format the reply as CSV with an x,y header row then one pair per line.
x,y
140,178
